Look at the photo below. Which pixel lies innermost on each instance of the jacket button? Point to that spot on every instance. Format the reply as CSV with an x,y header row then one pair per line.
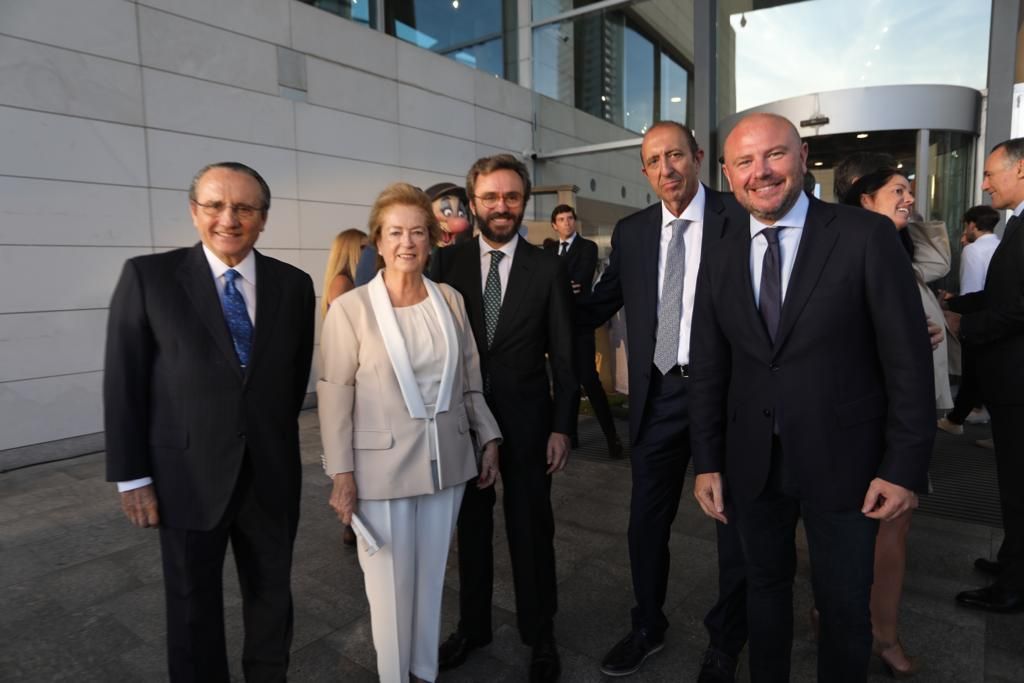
x,y
773,367
767,412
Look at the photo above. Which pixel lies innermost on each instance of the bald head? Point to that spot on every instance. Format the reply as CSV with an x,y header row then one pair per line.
x,y
765,162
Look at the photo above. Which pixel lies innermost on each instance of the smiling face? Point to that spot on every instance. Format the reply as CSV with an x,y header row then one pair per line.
x,y
498,223
670,166
765,162
229,236
404,241
892,199
1003,180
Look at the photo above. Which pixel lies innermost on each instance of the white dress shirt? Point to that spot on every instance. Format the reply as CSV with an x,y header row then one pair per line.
x,y
974,262
504,266
692,239
246,284
567,243
789,244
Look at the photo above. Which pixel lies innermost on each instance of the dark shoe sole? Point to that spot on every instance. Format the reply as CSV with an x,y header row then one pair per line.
x,y
629,672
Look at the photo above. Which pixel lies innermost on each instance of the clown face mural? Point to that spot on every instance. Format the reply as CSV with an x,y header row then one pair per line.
x,y
452,210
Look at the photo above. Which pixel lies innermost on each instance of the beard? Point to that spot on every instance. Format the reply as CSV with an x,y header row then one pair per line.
x,y
492,233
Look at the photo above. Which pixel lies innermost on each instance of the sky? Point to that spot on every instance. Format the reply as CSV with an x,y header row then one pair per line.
x,y
822,45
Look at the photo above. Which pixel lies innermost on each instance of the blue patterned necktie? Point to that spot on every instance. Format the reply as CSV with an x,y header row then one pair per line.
x,y
237,317
770,299
670,308
492,296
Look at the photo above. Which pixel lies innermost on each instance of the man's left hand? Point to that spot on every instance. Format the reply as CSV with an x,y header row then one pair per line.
x,y
886,501
934,333
953,322
558,452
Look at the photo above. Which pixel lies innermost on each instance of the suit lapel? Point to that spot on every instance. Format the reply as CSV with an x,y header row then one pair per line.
x,y
816,244
649,239
714,221
197,281
466,272
268,298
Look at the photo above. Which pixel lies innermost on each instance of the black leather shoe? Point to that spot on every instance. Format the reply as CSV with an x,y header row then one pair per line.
x,y
986,566
455,649
629,653
717,667
545,666
614,448
993,598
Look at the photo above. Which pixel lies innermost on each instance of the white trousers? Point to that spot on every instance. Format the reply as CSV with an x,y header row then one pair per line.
x,y
405,578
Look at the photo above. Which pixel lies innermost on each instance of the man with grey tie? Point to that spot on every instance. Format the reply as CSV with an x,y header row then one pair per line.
x,y
208,356
652,272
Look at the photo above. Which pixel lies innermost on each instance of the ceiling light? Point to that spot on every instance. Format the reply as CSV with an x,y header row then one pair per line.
x,y
675,100
819,163
861,136
899,165
455,4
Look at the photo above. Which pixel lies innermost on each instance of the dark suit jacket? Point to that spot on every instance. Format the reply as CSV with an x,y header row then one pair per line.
x,y
631,280
535,320
580,261
848,380
179,408
993,323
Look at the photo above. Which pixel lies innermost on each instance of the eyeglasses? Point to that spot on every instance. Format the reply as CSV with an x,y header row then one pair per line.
x,y
242,211
491,199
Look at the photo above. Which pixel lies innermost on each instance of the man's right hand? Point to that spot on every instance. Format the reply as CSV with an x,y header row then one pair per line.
x,y
707,489
140,507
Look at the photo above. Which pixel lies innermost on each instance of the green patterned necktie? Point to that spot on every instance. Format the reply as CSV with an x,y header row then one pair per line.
x,y
492,296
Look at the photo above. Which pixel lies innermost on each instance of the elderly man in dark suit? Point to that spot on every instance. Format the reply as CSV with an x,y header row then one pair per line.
x,y
207,362
812,396
991,326
580,257
519,305
652,272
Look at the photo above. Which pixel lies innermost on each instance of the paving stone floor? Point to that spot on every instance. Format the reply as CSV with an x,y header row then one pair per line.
x,y
81,596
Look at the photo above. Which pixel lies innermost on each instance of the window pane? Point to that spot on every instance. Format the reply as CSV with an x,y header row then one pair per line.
x,y
468,31
356,10
673,90
637,81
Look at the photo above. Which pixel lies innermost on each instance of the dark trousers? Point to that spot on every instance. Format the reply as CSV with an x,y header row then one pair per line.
x,y
659,461
842,548
968,395
193,564
530,527
1008,435
586,371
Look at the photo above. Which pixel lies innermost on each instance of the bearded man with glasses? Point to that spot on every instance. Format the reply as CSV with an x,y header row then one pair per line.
x,y
518,299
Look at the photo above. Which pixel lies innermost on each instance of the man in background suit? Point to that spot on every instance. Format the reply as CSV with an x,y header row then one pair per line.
x,y
991,327
207,362
812,396
519,305
652,271
580,257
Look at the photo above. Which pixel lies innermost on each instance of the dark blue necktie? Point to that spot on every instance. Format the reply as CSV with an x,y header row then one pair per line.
x,y
237,317
770,299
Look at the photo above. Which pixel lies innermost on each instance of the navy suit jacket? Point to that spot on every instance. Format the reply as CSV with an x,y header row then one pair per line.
x,y
631,280
178,406
848,380
580,261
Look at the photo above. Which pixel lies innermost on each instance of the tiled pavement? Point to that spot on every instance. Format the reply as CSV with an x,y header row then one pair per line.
x,y
81,597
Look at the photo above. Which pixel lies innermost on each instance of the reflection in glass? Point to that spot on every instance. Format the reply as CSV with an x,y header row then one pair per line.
x,y
637,75
361,11
468,31
673,90
949,190
837,44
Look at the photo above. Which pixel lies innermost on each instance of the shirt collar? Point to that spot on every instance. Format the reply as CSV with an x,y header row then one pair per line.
x,y
794,218
508,248
246,268
694,211
1019,209
572,238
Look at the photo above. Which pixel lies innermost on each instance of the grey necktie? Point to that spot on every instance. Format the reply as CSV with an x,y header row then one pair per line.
x,y
670,308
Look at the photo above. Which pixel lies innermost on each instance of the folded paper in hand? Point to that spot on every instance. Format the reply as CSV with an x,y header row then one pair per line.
x,y
371,543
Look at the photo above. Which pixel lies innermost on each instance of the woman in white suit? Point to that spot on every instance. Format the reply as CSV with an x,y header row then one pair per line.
x,y
399,393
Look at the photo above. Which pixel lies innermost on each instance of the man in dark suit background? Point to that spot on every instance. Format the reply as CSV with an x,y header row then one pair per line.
x,y
580,257
991,326
207,362
519,305
812,396
680,230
